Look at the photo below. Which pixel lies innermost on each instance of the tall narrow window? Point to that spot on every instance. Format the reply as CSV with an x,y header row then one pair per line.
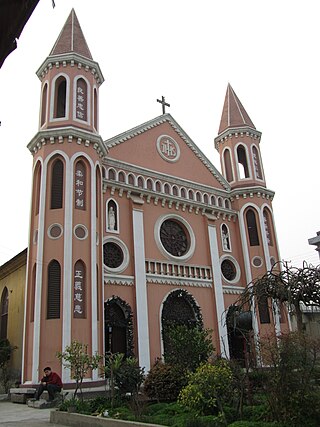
x,y
80,186
79,290
60,98
242,162
263,307
4,308
36,188
252,228
267,227
33,292
57,185
44,104
228,166
95,106
98,191
256,163
54,289
82,100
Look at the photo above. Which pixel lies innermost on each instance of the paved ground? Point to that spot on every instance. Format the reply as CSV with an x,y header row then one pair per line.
x,y
19,415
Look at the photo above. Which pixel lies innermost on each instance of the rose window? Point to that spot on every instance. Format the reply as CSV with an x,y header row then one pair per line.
x,y
112,255
174,238
228,270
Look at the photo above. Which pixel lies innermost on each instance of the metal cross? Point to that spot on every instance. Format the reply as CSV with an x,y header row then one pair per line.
x,y
164,104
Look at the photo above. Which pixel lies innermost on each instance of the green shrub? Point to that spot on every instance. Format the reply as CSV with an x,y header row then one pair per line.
x,y
129,376
164,382
208,389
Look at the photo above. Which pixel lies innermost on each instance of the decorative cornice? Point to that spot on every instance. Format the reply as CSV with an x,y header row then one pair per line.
x,y
118,280
250,192
138,130
175,281
233,290
238,132
74,60
71,135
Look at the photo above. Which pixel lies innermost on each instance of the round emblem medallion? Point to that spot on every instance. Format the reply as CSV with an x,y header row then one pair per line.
x,y
168,148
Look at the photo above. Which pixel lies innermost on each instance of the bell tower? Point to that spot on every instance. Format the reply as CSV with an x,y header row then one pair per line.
x,y
64,292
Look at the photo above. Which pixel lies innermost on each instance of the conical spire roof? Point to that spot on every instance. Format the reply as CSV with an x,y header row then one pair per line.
x,y
233,114
71,39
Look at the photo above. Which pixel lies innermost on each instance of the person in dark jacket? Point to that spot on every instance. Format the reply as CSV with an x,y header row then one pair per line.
x,y
50,382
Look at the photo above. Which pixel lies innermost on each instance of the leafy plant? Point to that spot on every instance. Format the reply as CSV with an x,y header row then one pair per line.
x,y
6,350
76,358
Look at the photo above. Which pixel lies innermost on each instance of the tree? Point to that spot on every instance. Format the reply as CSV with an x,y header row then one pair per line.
x,y
6,350
76,358
292,285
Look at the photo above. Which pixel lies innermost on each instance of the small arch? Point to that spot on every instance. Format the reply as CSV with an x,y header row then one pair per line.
x,y
57,177
225,238
190,195
140,182
198,196
54,290
112,216
131,179
112,174
243,166
44,103
79,290
220,202
183,192
4,310
60,97
175,190
121,177
252,227
206,198
227,204
166,188
213,201
227,165
104,172
149,184
158,186
256,162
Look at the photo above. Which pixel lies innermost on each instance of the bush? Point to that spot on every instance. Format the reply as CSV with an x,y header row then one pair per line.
x,y
164,382
129,376
208,389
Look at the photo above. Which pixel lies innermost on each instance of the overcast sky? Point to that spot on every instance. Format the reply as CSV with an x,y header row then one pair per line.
x,y
187,51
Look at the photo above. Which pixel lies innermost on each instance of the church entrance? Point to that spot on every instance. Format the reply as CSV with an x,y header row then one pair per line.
x,y
118,327
179,308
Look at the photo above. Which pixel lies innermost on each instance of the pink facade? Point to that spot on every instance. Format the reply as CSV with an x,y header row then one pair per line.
x,y
140,230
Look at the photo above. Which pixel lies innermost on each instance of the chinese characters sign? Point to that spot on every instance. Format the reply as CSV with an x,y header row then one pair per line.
x,y
81,100
79,291
80,186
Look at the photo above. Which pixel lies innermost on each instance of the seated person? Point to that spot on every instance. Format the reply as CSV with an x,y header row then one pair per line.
x,y
50,382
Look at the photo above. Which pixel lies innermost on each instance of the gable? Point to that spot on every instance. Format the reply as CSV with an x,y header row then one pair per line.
x,y
161,146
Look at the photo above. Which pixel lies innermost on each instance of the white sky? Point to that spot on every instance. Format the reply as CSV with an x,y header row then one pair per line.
x,y
187,51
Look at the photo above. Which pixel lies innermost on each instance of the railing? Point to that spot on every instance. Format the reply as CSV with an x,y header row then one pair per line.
x,y
172,269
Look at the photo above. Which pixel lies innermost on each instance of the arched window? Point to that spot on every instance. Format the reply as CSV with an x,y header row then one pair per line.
x,y
225,238
242,162
57,185
36,188
190,195
267,227
140,182
252,228
60,98
206,198
149,184
131,179
175,190
44,104
79,290
198,196
166,188
256,162
4,308
121,177
95,109
158,186
98,191
112,174
227,204
228,165
183,193
81,102
212,201
263,308
220,202
54,289
80,178
112,219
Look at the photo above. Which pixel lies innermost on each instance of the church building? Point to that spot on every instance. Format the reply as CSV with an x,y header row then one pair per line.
x,y
140,231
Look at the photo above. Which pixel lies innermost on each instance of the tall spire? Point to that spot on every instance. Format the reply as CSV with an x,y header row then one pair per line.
x,y
71,39
233,114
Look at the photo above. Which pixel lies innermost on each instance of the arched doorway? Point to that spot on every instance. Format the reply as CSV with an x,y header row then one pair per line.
x,y
179,308
118,327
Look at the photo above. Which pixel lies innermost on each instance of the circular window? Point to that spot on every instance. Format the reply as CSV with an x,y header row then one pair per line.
x,y
112,255
115,255
81,232
257,261
55,231
228,270
174,237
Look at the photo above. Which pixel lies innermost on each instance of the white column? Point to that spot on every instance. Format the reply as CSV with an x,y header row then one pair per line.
x,y
141,289
217,284
94,307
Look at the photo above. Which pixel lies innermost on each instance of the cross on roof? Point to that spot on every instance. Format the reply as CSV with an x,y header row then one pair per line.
x,y
164,104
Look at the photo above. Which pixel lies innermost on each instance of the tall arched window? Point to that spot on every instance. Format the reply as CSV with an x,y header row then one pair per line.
x,y
54,290
4,308
267,227
256,162
79,290
60,98
44,104
98,191
242,162
57,185
252,228
80,178
33,292
228,165
36,188
95,109
81,104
